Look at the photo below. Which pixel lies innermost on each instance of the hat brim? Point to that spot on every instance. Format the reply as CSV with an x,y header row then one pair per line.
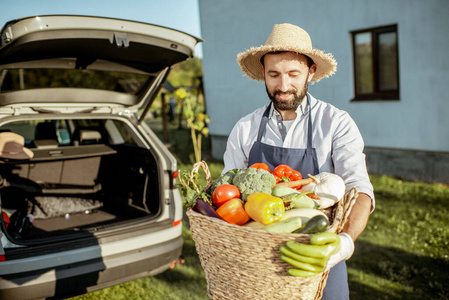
x,y
250,64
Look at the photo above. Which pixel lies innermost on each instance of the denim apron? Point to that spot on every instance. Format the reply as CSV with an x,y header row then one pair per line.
x,y
306,162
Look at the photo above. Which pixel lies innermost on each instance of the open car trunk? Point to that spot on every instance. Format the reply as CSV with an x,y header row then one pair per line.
x,y
91,201
87,176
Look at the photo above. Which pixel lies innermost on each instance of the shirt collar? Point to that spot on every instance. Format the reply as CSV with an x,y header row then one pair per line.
x,y
303,108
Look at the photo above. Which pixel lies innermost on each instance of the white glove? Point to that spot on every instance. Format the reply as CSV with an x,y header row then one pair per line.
x,y
345,253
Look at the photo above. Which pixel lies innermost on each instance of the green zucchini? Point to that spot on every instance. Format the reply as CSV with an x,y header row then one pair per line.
x,y
316,224
279,191
286,226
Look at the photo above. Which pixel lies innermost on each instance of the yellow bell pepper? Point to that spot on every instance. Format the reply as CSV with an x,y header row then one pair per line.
x,y
264,208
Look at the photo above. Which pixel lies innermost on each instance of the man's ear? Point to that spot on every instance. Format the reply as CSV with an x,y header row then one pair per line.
x,y
312,71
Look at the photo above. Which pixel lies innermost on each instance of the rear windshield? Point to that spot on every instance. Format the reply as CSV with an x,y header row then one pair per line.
x,y
72,132
23,79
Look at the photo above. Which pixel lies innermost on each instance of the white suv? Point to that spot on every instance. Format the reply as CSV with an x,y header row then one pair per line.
x,y
96,203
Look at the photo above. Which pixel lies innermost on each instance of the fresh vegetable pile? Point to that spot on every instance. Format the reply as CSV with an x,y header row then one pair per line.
x,y
281,201
278,201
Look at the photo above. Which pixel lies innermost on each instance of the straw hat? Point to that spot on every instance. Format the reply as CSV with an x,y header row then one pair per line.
x,y
12,147
286,37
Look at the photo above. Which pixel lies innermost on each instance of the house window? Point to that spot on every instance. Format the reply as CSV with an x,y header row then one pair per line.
x,y
376,70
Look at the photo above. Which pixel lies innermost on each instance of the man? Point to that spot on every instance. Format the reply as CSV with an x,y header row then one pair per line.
x,y
307,134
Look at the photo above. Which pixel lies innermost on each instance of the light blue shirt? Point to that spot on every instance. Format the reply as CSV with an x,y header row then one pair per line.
x,y
336,138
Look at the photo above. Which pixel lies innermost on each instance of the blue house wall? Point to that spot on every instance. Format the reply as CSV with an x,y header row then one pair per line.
x,y
401,135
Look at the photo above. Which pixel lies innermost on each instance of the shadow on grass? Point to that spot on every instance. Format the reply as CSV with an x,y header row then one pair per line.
x,y
409,276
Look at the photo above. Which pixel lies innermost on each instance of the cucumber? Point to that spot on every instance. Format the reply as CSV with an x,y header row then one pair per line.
x,y
286,225
279,191
316,224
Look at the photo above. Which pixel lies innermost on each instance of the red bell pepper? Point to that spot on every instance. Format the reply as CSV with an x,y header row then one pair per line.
x,y
284,173
261,166
233,212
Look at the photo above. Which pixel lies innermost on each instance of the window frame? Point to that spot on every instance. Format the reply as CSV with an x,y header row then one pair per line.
x,y
377,94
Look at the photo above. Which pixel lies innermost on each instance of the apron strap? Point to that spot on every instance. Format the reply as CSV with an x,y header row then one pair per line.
x,y
309,129
263,123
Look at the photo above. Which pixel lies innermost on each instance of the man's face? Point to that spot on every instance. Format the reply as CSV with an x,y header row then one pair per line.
x,y
286,79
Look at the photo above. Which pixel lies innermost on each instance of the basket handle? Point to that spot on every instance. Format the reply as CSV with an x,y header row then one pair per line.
x,y
195,169
348,203
340,212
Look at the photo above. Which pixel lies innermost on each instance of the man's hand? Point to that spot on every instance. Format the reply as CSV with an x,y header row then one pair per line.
x,y
308,264
345,253
312,259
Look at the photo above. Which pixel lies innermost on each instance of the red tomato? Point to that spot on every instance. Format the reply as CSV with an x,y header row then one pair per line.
x,y
223,193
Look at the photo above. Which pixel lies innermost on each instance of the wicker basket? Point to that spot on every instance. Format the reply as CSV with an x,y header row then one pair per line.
x,y
244,263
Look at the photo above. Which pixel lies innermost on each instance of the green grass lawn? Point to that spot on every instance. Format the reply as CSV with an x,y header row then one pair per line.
x,y
402,254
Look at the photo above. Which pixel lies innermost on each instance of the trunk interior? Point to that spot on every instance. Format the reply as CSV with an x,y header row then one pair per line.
x,y
65,192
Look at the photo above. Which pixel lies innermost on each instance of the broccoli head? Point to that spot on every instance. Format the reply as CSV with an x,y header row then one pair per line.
x,y
225,178
253,180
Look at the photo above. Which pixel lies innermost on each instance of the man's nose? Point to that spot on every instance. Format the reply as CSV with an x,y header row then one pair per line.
x,y
284,84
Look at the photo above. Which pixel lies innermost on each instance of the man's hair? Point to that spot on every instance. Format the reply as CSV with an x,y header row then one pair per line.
x,y
310,61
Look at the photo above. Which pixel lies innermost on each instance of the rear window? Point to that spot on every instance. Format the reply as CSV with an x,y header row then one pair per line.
x,y
72,132
23,79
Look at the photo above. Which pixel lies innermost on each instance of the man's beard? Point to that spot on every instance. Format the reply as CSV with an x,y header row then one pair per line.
x,y
289,105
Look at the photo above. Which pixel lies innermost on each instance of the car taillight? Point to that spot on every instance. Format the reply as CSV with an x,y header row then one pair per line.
x,y
2,258
174,175
5,218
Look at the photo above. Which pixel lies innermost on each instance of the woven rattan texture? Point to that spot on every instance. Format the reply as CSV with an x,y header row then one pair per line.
x,y
244,263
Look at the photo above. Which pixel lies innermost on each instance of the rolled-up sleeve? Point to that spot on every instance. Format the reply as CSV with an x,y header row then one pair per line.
x,y
348,157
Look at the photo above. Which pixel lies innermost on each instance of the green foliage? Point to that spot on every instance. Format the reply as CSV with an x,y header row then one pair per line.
x,y
196,119
186,76
186,73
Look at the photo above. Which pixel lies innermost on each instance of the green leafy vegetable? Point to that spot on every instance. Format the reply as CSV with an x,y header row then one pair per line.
x,y
225,178
189,188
